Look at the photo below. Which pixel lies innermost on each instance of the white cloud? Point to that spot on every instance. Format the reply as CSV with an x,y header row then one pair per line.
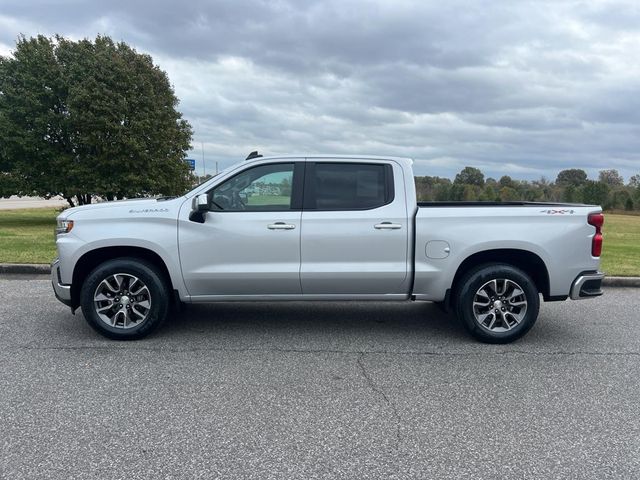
x,y
526,88
5,50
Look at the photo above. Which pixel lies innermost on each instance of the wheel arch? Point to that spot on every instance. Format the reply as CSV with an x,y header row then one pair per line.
x,y
91,259
525,260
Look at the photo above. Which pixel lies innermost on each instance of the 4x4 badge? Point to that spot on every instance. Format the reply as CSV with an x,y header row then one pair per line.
x,y
557,212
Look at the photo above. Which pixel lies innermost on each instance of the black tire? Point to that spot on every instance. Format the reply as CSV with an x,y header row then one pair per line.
x,y
158,294
504,329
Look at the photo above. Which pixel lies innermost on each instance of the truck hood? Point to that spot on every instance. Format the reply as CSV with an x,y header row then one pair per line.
x,y
151,206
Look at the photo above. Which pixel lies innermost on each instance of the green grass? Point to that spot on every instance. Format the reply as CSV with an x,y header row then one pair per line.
x,y
26,236
621,248
269,200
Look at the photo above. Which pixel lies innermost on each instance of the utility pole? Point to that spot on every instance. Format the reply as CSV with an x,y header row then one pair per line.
x,y
216,167
204,170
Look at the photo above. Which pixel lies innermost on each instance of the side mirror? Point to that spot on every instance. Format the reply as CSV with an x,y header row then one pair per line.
x,y
199,206
201,203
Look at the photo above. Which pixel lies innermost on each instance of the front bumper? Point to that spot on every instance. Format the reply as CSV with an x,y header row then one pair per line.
x,y
62,292
587,285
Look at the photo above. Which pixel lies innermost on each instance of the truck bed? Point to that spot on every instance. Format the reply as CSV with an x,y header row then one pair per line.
x,y
557,233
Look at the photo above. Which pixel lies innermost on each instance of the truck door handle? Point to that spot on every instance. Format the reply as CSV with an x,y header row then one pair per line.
x,y
281,226
387,226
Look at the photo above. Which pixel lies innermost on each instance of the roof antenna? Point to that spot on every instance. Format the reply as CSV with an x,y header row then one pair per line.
x,y
253,154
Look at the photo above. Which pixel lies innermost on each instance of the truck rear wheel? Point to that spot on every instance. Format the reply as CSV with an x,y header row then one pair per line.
x,y
497,303
124,299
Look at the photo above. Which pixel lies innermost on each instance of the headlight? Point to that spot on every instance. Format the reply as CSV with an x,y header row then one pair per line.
x,y
63,226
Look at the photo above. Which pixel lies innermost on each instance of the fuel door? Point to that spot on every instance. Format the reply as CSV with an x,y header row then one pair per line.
x,y
437,249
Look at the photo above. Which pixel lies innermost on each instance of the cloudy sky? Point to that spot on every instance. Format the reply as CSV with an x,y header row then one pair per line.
x,y
524,88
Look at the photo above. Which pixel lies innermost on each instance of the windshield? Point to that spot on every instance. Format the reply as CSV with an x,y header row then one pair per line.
x,y
209,178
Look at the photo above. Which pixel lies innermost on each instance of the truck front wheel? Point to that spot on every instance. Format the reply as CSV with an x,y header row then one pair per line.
x,y
124,299
497,303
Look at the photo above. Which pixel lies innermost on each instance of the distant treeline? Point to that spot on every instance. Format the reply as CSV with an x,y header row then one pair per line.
x,y
573,185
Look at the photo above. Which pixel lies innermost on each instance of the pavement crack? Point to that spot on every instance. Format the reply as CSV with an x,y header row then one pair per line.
x,y
381,393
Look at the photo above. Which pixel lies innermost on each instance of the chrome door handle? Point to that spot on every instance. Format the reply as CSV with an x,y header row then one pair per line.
x,y
281,226
387,226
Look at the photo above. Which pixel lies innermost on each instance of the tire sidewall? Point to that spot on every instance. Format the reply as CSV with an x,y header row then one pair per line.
x,y
154,282
478,277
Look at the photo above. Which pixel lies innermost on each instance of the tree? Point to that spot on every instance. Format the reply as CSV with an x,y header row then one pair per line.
x,y
610,177
628,204
575,177
570,194
456,192
508,194
531,193
595,193
89,118
636,197
618,198
470,176
507,181
423,188
634,181
471,193
442,192
489,194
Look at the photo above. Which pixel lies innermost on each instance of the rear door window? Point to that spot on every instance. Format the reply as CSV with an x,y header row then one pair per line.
x,y
347,186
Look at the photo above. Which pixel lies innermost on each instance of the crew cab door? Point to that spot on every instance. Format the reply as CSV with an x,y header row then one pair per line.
x,y
249,243
354,229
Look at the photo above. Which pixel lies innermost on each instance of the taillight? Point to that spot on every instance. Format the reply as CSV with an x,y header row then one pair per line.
x,y
597,220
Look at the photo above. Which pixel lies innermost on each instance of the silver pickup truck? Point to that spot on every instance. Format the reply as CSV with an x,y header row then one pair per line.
x,y
323,228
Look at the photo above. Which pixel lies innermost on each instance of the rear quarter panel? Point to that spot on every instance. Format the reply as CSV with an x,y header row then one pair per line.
x,y
561,237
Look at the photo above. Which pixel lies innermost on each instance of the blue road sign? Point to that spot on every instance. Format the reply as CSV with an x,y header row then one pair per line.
x,y
191,162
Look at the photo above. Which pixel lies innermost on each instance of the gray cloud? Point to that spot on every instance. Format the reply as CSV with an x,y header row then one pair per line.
x,y
523,87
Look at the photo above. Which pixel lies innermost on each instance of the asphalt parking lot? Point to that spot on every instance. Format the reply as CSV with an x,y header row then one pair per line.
x,y
340,390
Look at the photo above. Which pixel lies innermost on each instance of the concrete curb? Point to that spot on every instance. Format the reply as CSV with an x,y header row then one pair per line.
x,y
44,269
25,268
621,282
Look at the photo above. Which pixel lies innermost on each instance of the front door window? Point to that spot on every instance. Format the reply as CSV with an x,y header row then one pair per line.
x,y
263,188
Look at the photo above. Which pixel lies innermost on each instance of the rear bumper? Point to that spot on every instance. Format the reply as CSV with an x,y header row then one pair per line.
x,y
62,292
587,285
